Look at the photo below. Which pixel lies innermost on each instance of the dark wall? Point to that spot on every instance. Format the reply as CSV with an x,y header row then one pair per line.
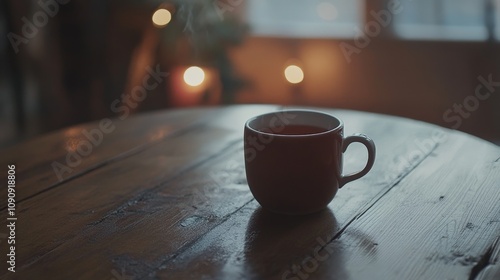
x,y
415,79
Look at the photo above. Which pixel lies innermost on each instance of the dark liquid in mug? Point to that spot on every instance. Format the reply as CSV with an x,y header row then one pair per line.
x,y
297,130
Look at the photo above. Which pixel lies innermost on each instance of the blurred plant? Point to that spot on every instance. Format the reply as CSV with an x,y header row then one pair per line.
x,y
208,36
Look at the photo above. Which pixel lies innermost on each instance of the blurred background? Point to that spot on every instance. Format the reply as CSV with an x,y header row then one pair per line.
x,y
65,62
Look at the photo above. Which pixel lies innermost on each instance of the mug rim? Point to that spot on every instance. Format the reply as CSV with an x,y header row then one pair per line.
x,y
332,130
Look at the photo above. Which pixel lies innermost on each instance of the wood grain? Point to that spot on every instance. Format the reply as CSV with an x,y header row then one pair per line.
x,y
34,158
180,208
263,246
488,268
102,208
437,223
89,199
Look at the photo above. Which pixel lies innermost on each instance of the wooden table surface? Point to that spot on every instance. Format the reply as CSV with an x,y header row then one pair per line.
x,y
164,195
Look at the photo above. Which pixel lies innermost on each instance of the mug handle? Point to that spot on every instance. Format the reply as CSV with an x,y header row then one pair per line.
x,y
370,146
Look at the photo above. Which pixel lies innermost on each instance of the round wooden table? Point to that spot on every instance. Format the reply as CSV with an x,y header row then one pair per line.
x,y
164,195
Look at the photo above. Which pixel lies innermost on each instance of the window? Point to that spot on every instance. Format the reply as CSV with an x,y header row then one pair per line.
x,y
443,19
472,20
304,18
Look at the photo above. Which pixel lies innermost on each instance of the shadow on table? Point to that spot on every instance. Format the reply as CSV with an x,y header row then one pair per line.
x,y
291,247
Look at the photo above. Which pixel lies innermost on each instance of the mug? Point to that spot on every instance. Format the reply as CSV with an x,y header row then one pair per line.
x,y
293,159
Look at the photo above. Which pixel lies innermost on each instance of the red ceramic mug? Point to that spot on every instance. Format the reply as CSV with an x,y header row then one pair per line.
x,y
293,159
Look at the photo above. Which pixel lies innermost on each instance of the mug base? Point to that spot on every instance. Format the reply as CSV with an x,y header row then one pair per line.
x,y
294,213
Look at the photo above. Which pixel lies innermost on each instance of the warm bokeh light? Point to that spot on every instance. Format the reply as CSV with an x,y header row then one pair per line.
x,y
161,17
194,76
294,74
73,136
327,11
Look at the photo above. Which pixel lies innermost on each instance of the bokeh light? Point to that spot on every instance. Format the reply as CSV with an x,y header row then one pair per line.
x,y
294,74
161,17
194,76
